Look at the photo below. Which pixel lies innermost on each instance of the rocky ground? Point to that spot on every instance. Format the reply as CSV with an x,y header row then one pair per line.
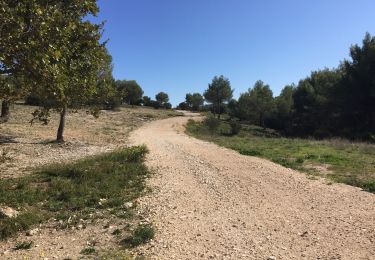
x,y
213,203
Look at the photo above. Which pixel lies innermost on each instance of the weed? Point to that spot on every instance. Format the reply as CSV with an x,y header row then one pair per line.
x,y
25,245
141,235
88,251
235,127
116,232
212,124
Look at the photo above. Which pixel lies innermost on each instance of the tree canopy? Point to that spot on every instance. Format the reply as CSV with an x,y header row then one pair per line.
x,y
218,92
194,101
54,48
132,91
162,98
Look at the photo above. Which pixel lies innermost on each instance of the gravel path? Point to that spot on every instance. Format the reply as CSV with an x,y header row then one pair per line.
x,y
209,202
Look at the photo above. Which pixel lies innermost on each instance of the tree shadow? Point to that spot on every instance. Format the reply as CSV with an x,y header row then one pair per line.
x,y
8,139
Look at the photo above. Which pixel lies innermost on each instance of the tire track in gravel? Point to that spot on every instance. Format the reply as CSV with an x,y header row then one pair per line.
x,y
210,202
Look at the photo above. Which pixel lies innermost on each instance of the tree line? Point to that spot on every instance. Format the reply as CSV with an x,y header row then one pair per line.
x,y
327,103
54,57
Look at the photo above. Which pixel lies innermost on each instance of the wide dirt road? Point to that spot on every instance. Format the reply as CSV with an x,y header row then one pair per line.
x,y
209,202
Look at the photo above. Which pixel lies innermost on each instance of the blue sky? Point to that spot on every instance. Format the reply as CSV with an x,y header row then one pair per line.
x,y
178,46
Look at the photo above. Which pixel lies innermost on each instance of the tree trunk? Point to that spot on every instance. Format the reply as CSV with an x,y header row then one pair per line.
x,y
60,130
5,112
219,110
261,121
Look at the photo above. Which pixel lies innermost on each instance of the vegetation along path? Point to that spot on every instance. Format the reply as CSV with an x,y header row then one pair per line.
x,y
211,202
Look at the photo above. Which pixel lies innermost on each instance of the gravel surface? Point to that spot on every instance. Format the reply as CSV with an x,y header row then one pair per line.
x,y
209,202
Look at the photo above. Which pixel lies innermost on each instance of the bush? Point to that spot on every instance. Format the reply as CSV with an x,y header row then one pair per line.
x,y
235,127
141,235
23,245
33,100
212,123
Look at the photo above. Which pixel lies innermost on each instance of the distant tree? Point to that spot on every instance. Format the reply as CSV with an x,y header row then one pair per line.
x,y
256,104
133,92
106,95
232,108
194,101
10,90
357,91
156,104
281,117
167,105
162,98
183,106
218,92
147,101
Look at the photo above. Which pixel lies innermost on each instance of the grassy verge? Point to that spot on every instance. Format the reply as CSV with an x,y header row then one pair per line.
x,y
71,192
338,160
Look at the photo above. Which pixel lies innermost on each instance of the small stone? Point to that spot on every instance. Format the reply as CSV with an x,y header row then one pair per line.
x,y
271,258
7,212
32,232
128,205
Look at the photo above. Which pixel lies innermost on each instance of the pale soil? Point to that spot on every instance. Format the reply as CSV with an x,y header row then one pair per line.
x,y
27,146
209,202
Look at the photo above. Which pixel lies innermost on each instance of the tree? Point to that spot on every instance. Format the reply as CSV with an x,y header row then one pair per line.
x,y
357,91
167,105
106,95
281,118
233,108
194,101
162,98
10,90
256,104
147,101
218,92
183,106
58,52
133,91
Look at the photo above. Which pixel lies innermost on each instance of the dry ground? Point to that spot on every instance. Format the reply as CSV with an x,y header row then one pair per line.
x,y
23,146
210,202
27,147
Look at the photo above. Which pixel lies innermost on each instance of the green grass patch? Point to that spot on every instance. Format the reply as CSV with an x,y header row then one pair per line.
x,y
88,251
74,191
338,160
141,235
25,245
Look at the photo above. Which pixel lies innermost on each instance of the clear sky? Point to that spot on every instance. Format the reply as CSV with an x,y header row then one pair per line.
x,y
178,46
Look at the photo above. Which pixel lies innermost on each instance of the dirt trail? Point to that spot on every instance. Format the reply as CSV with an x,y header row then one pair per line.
x,y
211,202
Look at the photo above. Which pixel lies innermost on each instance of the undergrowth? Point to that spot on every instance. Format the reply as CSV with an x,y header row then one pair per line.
x,y
74,191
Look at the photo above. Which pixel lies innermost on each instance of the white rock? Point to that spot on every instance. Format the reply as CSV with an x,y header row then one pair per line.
x,y
7,212
128,205
32,232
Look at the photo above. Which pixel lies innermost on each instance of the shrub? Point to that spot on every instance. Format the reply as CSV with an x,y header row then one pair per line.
x,y
23,245
88,251
141,235
212,124
235,127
